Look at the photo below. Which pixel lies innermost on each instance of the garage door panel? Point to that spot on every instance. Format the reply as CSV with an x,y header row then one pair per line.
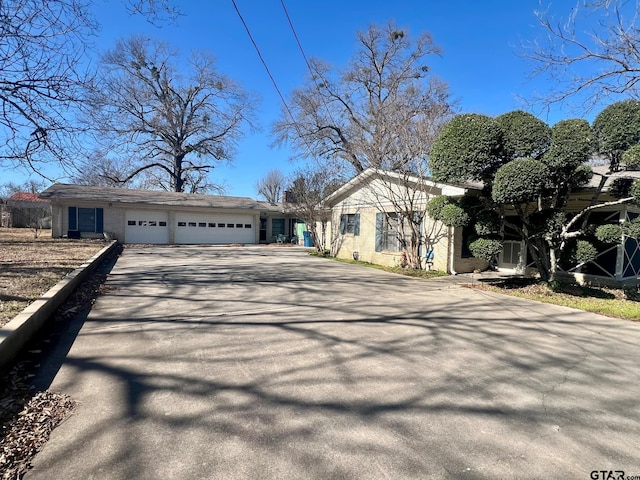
x,y
146,227
214,229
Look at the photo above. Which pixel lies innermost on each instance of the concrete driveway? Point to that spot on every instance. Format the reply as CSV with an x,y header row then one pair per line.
x,y
265,363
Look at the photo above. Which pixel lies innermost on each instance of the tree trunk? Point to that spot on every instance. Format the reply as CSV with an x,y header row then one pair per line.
x,y
553,267
178,173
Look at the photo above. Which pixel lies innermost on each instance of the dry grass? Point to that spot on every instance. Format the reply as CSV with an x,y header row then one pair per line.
x,y
30,266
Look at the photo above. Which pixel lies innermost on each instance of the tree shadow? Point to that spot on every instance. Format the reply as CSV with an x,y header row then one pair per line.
x,y
243,364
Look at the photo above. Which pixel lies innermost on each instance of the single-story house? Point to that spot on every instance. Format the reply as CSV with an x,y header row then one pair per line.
x,y
159,217
364,221
364,225
28,210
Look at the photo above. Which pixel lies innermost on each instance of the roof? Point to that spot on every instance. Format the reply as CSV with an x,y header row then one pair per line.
x,y
372,173
67,192
601,170
26,197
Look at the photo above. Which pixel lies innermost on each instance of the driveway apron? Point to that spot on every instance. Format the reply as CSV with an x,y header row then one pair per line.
x,y
211,362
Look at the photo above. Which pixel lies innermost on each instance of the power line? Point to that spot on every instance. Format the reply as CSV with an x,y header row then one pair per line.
x,y
264,63
306,60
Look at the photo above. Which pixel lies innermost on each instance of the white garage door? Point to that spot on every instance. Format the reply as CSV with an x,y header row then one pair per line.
x,y
146,227
195,228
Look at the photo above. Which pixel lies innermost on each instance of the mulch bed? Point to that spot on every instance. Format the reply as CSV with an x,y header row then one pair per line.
x,y
28,416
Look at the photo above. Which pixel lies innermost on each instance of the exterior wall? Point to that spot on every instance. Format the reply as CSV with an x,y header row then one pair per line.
x,y
372,199
344,246
468,264
114,220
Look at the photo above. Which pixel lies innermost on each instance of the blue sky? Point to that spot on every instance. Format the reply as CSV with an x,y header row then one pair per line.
x,y
480,59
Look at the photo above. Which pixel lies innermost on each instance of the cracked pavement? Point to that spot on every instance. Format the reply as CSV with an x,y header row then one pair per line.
x,y
256,362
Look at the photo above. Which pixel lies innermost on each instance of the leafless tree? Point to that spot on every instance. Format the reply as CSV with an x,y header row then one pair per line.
x,y
370,113
157,12
271,185
176,127
309,187
590,55
42,46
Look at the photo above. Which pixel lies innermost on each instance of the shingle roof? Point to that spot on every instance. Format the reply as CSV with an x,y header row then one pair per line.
x,y
26,197
62,191
611,176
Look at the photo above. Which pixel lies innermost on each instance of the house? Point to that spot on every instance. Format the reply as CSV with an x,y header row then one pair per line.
x,y
615,265
158,217
366,212
28,210
365,219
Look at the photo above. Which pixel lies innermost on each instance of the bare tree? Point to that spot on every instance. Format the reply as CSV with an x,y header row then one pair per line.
x,y
369,114
309,187
175,127
271,185
590,55
42,45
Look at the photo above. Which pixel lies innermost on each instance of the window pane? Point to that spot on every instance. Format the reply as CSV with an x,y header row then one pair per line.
x,y
87,219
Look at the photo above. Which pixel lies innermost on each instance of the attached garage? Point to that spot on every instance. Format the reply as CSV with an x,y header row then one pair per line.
x,y
193,228
146,226
157,217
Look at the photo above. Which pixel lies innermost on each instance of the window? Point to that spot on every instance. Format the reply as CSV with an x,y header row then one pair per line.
x,y
83,219
229,225
131,222
277,227
350,224
221,225
389,229
202,224
238,225
192,224
163,224
247,225
182,224
142,223
211,225
153,223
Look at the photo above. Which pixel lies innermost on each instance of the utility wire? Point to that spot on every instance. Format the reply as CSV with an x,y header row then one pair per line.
x,y
306,60
264,63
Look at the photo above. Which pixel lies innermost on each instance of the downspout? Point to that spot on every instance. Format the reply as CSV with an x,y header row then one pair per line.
x,y
451,252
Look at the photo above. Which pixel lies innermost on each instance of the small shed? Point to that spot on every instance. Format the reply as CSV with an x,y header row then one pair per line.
x,y
28,210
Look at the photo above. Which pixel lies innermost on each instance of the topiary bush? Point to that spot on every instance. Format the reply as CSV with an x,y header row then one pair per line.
x,y
486,248
609,234
632,228
453,216
520,181
488,223
467,145
631,158
584,252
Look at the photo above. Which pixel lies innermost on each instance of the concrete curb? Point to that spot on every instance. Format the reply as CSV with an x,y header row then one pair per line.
x,y
15,334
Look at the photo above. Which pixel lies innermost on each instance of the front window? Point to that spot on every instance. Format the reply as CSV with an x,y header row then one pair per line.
x,y
391,232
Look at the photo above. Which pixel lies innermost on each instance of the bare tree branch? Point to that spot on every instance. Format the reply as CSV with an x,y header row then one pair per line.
x,y
590,57
369,114
145,109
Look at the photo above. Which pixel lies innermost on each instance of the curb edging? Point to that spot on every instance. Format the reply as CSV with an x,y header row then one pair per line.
x,y
15,334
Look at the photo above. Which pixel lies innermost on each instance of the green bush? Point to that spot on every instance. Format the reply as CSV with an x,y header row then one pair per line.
x,y
487,223
610,234
486,248
631,158
520,181
632,228
453,216
585,252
